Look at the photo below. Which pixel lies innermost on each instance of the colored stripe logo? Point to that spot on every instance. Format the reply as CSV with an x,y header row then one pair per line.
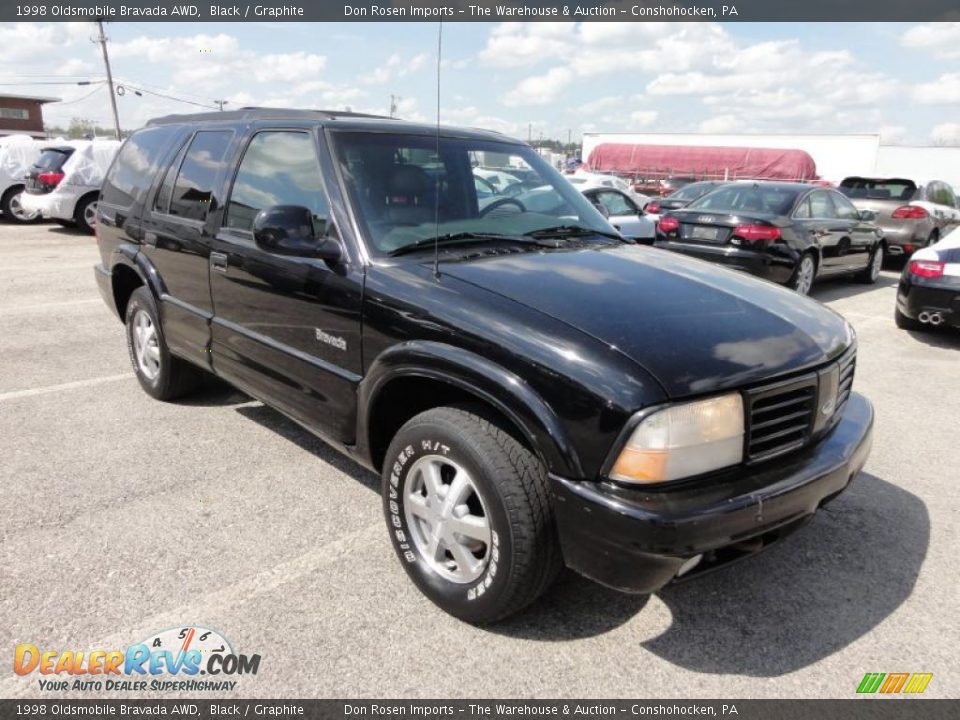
x,y
892,683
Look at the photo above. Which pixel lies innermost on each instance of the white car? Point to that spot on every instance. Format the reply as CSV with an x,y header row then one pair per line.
x,y
584,180
623,213
64,183
17,154
503,183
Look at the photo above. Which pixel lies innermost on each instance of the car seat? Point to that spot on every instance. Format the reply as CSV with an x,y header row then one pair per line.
x,y
409,196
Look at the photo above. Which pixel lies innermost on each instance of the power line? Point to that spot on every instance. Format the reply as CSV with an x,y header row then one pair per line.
x,y
97,89
168,97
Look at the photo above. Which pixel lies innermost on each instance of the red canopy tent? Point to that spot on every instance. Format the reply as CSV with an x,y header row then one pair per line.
x,y
704,163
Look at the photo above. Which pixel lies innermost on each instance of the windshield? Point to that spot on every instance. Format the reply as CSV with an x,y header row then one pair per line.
x,y
400,186
691,192
771,199
865,188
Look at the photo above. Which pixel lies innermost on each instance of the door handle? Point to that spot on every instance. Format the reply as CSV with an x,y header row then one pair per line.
x,y
218,261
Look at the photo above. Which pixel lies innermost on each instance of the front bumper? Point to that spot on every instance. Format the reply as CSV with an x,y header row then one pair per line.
x,y
775,267
639,540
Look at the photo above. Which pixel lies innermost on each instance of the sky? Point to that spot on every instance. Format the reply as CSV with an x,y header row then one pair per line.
x,y
526,79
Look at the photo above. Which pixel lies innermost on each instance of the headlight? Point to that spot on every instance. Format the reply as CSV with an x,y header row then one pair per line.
x,y
682,441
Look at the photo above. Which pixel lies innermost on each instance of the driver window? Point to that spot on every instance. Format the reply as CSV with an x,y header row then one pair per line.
x,y
617,204
278,168
820,205
845,209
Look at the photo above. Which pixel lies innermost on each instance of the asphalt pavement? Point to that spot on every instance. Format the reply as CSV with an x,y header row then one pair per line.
x,y
123,516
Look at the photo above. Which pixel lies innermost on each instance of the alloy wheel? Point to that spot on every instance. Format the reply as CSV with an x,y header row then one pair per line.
x,y
146,344
877,263
90,214
19,212
446,516
805,275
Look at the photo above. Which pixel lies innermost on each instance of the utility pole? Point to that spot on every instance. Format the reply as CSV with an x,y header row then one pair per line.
x,y
393,104
106,61
529,133
220,103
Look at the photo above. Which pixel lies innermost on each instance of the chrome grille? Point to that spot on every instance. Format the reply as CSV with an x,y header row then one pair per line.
x,y
847,367
781,418
784,416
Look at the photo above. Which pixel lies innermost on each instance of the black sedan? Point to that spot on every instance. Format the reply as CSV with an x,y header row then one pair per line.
x,y
790,233
682,197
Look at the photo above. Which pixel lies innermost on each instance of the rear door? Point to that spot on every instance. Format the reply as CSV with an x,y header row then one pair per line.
x,y
177,238
861,235
287,329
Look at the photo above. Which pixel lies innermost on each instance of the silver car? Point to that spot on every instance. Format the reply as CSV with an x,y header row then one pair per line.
x,y
911,215
623,213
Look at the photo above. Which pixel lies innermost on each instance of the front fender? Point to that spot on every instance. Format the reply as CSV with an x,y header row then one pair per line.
x,y
510,394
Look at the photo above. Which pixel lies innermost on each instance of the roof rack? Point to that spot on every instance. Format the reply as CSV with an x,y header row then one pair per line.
x,y
255,113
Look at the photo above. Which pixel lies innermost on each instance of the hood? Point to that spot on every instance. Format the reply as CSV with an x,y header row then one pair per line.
x,y
696,327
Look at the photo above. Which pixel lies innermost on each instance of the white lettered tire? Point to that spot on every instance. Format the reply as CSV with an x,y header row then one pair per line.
x,y
469,516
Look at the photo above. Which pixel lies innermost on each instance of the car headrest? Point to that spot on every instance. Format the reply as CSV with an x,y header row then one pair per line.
x,y
408,184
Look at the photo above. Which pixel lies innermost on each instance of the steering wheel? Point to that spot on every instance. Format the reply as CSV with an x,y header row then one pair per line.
x,y
500,203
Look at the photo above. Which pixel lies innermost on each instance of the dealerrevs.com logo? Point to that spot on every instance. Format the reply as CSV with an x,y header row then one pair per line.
x,y
894,683
187,659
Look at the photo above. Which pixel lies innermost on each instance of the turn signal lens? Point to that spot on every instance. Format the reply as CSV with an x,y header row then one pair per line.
x,y
652,207
668,224
683,441
926,268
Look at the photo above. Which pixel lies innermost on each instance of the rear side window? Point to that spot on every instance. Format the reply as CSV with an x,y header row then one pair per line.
x,y
133,169
193,188
845,209
821,206
51,160
278,168
941,193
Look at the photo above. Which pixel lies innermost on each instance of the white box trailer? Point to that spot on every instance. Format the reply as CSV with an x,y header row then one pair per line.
x,y
920,164
836,156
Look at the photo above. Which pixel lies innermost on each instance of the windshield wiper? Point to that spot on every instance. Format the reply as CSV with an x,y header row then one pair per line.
x,y
461,237
569,231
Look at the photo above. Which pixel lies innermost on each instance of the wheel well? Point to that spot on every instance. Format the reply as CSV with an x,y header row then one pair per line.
x,y
405,397
125,281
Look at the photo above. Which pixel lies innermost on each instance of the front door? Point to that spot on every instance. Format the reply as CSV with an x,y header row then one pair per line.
x,y
286,329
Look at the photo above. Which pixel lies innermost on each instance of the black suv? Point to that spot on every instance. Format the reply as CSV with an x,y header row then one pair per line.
x,y
534,390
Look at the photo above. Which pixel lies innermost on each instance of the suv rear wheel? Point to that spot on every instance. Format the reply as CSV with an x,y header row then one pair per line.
x,y
468,514
161,375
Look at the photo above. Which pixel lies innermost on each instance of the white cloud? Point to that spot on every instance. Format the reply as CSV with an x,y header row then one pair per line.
x,y
942,91
644,117
942,39
540,89
946,134
892,134
396,66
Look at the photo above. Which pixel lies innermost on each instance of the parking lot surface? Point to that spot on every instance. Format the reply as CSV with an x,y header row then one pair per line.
x,y
123,516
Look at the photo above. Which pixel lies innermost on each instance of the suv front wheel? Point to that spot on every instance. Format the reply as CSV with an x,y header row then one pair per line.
x,y
468,514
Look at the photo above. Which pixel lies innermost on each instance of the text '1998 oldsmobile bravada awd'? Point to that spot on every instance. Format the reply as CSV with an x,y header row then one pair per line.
x,y
534,390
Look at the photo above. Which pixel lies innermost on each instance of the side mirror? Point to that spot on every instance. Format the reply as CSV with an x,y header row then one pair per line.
x,y
289,230
868,215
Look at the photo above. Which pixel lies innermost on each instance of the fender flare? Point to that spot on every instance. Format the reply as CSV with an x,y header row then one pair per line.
x,y
491,383
129,255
